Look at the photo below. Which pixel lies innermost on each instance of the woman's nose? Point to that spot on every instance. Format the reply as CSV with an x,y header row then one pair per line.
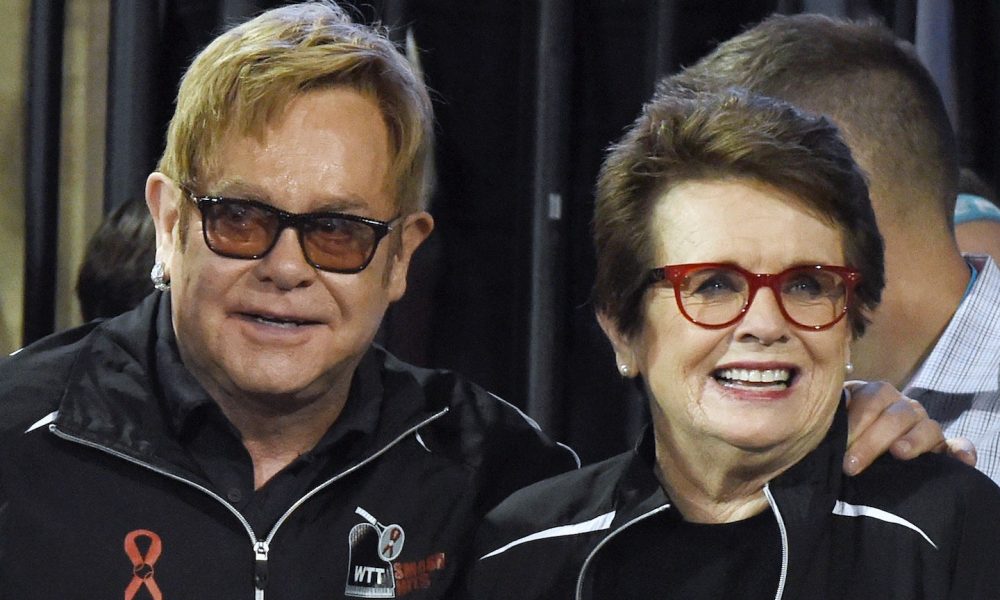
x,y
763,319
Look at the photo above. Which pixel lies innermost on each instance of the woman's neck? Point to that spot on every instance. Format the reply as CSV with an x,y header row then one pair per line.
x,y
704,493
710,481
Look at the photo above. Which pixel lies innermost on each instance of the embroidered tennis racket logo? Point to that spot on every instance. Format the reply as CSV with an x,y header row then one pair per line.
x,y
143,562
372,547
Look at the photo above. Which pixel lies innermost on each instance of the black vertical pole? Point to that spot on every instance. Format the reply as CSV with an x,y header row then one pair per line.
x,y
237,11
662,59
133,136
45,53
934,38
904,22
552,107
393,15
832,8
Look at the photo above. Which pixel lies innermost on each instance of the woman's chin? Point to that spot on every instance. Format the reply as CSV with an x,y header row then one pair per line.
x,y
756,418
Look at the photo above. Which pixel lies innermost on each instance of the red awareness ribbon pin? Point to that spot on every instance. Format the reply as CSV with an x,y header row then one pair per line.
x,y
142,566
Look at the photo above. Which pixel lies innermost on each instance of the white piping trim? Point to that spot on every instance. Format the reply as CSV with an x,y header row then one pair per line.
x,y
858,510
596,524
608,538
420,440
576,456
535,425
49,418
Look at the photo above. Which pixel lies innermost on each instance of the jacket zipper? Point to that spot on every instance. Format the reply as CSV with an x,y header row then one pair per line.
x,y
593,553
260,547
784,541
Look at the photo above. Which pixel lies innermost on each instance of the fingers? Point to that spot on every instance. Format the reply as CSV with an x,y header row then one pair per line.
x,y
865,402
924,436
962,449
880,419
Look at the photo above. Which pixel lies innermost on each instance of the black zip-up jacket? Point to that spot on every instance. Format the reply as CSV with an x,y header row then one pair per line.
x,y
928,528
99,500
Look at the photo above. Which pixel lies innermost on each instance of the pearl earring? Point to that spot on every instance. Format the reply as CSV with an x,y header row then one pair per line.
x,y
849,368
623,369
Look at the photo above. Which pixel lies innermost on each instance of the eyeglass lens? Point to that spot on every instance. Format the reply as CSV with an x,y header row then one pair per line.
x,y
241,229
810,297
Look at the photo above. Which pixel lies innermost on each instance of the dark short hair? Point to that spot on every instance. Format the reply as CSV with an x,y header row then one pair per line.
x,y
684,136
114,276
871,84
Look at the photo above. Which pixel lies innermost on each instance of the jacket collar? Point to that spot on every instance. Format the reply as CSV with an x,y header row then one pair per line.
x,y
812,483
129,391
638,490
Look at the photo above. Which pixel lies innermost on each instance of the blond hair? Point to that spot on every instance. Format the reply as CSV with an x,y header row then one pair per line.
x,y
245,78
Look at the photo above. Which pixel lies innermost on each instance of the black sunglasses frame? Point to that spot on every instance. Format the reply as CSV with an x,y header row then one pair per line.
x,y
294,220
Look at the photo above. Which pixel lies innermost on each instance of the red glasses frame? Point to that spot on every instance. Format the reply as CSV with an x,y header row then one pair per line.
x,y
675,274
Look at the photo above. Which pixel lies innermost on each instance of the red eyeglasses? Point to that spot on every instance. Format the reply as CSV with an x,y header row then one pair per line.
x,y
716,295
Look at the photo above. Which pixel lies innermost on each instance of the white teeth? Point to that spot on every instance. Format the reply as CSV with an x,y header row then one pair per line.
x,y
756,375
272,322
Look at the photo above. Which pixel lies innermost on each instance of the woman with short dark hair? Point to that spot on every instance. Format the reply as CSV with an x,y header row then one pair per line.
x,y
737,257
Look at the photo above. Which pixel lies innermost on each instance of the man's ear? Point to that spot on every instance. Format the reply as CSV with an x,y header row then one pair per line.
x,y
416,228
625,357
162,198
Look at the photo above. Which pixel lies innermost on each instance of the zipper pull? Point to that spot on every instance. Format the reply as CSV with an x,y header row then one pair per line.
x,y
260,568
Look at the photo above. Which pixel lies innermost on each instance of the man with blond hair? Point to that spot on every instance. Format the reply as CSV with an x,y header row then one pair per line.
x,y
238,434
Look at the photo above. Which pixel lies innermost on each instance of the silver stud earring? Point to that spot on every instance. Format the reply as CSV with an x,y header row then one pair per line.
x,y
623,369
849,368
158,276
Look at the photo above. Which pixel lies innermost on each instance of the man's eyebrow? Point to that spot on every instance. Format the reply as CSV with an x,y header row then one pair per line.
x,y
347,203
239,188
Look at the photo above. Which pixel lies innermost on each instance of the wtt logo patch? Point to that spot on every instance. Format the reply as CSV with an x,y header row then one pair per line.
x,y
373,546
374,572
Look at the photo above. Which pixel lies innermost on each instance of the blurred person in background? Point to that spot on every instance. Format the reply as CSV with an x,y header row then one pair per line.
x,y
114,275
977,216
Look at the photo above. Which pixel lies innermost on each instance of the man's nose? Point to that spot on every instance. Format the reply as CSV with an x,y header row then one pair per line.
x,y
286,265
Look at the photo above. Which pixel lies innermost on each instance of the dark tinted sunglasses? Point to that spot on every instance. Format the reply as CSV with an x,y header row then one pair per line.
x,y
247,229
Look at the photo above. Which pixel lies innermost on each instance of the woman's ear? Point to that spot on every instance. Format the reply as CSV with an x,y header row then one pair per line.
x,y
625,357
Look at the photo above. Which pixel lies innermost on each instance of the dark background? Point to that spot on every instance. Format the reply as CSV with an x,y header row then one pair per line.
x,y
528,94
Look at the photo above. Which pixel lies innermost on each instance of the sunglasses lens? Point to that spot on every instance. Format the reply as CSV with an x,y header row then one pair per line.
x,y
243,229
337,244
238,229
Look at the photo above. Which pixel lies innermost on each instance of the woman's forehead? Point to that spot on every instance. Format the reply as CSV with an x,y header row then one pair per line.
x,y
740,221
